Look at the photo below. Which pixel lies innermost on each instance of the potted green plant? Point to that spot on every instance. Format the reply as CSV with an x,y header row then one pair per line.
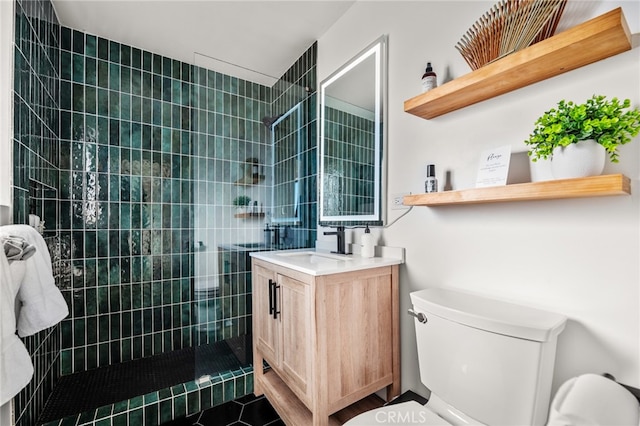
x,y
241,202
595,128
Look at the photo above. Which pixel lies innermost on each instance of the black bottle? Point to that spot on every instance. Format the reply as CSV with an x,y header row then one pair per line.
x,y
429,80
431,184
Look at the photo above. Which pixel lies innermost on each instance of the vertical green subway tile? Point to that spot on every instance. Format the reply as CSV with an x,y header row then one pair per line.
x,y
157,64
206,395
115,320
103,48
147,61
125,79
87,417
103,307
147,112
114,52
136,138
136,417
103,412
154,113
179,406
78,359
136,82
78,97
78,42
136,108
147,85
104,353
103,74
91,72
103,104
125,55
65,38
136,58
78,68
91,46
193,403
92,321
91,100
120,407
114,104
120,420
66,65
152,415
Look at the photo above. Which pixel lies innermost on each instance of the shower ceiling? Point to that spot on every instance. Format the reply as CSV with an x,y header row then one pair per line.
x,y
253,40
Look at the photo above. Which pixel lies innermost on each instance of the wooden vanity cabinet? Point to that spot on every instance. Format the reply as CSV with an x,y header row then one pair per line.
x,y
330,340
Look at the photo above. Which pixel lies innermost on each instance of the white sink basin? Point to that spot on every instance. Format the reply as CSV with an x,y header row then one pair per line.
x,y
314,257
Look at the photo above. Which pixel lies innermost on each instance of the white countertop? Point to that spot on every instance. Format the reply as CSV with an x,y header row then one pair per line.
x,y
319,262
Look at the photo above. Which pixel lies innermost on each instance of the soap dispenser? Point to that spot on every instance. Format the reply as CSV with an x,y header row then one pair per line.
x,y
368,245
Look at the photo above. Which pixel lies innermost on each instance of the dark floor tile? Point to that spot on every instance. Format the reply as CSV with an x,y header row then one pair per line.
x,y
221,415
185,421
249,410
258,413
248,398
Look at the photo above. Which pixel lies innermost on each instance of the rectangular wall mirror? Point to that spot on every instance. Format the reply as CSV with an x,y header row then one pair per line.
x,y
352,140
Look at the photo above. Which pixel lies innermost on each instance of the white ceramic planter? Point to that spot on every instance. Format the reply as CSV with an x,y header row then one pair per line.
x,y
582,159
540,170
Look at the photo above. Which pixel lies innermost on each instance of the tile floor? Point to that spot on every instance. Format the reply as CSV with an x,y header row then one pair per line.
x,y
246,411
251,410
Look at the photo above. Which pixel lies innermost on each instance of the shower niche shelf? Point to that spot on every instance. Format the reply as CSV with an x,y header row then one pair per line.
x,y
593,186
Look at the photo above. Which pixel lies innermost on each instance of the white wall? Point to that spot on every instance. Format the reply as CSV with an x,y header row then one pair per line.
x,y
576,257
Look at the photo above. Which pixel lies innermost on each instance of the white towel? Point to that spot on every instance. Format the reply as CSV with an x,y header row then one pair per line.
x,y
15,363
591,400
41,303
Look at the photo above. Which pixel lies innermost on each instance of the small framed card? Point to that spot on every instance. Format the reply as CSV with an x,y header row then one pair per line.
x,y
494,167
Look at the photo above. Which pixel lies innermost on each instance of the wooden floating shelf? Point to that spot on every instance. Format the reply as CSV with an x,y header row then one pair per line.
x,y
248,215
594,186
594,40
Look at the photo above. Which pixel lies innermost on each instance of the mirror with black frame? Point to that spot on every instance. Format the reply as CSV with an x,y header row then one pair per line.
x,y
352,140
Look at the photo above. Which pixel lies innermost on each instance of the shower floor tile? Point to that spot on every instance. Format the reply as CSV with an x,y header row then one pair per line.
x,y
88,390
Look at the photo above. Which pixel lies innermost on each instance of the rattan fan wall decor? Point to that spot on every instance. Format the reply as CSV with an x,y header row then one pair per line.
x,y
507,27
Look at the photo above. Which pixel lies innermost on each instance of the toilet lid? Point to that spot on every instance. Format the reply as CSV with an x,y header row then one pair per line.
x,y
406,413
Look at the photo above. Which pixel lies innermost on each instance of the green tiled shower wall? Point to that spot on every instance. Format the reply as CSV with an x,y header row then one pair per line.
x,y
349,163
35,174
131,159
298,86
150,149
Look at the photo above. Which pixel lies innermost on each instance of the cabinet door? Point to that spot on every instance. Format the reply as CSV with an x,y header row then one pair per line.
x,y
266,328
296,315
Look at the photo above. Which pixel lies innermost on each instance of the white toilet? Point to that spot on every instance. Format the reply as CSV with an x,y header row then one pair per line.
x,y
485,362
489,362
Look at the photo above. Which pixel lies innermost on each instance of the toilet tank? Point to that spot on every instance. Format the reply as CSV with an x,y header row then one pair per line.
x,y
490,359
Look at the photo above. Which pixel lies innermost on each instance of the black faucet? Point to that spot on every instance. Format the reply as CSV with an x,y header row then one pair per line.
x,y
276,234
339,233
